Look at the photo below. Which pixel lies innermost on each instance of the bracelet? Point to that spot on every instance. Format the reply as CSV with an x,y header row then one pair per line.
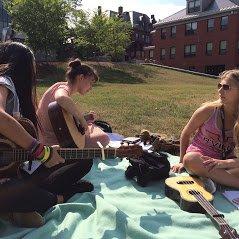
x,y
33,146
38,151
47,154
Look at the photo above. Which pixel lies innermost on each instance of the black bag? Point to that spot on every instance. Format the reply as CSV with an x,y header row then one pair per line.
x,y
103,125
150,166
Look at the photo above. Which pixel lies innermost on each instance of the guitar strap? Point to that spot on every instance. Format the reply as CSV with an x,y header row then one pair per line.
x,y
223,156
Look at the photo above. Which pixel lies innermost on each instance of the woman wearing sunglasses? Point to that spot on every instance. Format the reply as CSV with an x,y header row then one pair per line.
x,y
213,124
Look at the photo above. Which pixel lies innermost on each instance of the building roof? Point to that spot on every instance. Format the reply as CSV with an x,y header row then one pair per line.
x,y
135,18
217,6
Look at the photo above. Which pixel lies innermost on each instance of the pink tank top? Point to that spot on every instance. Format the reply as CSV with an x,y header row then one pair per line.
x,y
47,135
208,140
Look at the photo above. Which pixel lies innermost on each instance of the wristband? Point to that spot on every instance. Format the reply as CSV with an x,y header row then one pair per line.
x,y
38,151
47,154
33,146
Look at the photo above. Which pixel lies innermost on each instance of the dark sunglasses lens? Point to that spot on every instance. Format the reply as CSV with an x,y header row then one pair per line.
x,y
224,87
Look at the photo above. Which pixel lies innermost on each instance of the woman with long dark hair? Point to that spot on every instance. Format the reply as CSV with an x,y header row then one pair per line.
x,y
23,199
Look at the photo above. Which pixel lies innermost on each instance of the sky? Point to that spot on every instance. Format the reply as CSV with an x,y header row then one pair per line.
x,y
160,8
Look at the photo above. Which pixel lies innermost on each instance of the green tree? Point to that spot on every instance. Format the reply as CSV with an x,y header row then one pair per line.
x,y
98,35
117,38
43,21
89,32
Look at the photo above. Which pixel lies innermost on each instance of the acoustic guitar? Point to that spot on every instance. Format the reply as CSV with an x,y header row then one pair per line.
x,y
192,197
66,127
12,156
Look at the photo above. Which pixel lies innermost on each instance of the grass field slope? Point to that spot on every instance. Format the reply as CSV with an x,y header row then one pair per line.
x,y
133,97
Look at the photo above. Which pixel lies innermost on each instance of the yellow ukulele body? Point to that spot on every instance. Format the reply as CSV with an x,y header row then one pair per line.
x,y
183,189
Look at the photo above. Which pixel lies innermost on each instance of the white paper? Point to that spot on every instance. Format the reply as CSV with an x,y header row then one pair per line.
x,y
115,137
230,196
35,165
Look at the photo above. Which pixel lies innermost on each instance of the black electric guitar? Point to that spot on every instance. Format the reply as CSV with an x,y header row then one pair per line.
x,y
192,197
11,156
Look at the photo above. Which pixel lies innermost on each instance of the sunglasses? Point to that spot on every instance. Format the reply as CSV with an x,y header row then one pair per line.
x,y
223,86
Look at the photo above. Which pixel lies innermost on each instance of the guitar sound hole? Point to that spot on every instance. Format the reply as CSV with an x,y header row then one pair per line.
x,y
185,182
194,192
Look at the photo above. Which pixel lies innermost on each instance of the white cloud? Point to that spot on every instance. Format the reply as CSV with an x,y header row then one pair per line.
x,y
160,11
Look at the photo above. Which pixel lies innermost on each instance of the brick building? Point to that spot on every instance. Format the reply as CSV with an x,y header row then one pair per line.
x,y
142,25
202,37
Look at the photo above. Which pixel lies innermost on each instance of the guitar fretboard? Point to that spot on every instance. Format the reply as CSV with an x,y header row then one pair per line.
x,y
20,155
213,213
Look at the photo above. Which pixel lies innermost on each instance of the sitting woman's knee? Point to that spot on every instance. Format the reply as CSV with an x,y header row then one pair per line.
x,y
193,163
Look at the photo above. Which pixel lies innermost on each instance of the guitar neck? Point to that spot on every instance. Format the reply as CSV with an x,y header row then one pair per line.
x,y
212,212
21,155
68,153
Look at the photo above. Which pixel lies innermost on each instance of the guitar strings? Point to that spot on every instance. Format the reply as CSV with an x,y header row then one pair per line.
x,y
209,208
221,220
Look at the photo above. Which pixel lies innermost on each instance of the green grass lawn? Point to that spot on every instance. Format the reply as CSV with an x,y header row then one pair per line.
x,y
133,97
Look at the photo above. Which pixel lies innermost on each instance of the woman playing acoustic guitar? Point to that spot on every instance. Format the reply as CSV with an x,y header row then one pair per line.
x,y
22,200
213,123
80,79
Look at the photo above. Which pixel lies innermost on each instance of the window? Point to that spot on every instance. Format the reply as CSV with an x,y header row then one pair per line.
x,y
192,68
209,49
142,54
138,54
151,54
223,47
163,33
173,31
172,52
190,50
210,25
147,39
194,6
136,35
142,37
162,54
191,28
224,23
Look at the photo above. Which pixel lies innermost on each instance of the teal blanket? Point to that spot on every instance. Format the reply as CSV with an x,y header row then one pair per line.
x,y
118,208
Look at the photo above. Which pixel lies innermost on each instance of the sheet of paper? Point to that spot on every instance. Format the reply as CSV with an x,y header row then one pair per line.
x,y
35,165
231,196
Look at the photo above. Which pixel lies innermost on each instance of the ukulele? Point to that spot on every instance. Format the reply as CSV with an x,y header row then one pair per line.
x,y
12,156
192,197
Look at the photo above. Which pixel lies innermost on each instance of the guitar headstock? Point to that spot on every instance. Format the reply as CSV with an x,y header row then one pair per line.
x,y
131,151
227,232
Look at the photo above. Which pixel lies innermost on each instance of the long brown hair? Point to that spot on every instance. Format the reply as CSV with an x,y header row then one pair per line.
x,y
17,61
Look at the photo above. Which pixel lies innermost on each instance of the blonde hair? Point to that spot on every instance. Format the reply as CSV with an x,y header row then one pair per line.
x,y
234,75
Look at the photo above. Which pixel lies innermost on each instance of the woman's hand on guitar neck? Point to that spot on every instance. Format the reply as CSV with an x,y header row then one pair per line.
x,y
55,158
